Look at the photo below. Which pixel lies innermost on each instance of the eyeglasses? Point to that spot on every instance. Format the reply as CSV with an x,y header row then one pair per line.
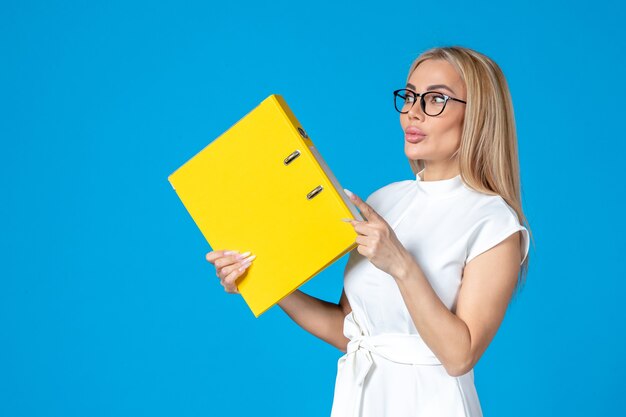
x,y
432,102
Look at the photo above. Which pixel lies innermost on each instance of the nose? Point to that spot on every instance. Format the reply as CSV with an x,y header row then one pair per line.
x,y
415,112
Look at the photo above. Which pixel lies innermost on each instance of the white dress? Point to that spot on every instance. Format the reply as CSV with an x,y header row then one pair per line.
x,y
388,370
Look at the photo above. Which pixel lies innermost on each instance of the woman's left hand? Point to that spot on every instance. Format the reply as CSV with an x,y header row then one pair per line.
x,y
377,240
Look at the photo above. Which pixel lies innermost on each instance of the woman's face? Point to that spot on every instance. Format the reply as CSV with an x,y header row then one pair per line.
x,y
436,138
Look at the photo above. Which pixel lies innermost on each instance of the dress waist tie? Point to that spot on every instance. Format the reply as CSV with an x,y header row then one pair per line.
x,y
354,366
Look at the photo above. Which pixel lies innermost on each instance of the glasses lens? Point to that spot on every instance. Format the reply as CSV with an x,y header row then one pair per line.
x,y
404,100
434,103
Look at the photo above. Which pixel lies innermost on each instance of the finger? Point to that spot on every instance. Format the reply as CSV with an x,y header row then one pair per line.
x,y
366,210
230,281
231,259
229,290
361,227
354,222
227,270
240,265
213,255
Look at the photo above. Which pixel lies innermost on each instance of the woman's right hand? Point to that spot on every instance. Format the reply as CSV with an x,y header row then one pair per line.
x,y
229,265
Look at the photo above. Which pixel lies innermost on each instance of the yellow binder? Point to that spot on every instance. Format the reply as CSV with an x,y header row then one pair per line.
x,y
263,187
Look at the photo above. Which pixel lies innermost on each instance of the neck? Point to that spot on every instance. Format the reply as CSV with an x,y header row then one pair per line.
x,y
437,172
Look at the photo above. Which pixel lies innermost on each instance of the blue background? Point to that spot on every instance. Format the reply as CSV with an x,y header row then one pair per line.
x,y
107,304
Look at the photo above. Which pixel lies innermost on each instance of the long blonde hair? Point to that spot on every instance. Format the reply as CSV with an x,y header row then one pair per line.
x,y
488,157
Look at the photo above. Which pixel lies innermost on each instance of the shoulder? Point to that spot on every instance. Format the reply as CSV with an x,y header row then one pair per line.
x,y
483,205
491,219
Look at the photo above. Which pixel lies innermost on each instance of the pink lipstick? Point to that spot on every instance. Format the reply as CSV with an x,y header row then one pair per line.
x,y
413,134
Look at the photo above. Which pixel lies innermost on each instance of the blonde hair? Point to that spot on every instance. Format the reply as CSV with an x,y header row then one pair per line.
x,y
488,158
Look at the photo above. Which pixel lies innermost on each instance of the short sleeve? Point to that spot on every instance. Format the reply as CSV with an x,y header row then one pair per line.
x,y
500,223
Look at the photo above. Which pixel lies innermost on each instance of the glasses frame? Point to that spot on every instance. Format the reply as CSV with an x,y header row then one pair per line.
x,y
396,93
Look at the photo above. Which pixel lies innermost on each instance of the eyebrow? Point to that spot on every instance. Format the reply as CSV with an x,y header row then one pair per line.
x,y
432,87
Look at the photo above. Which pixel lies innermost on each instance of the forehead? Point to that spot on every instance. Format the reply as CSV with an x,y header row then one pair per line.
x,y
436,71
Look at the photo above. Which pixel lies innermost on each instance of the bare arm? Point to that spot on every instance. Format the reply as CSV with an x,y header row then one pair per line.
x,y
318,317
459,339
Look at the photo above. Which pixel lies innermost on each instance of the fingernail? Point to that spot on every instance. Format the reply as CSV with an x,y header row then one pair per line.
x,y
250,259
350,194
230,252
243,255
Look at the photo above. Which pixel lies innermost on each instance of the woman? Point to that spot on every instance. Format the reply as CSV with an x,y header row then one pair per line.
x,y
438,257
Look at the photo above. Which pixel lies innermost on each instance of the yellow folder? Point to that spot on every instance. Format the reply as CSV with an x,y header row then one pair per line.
x,y
263,187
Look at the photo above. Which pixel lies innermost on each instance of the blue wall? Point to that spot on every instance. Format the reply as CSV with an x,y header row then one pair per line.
x,y
107,304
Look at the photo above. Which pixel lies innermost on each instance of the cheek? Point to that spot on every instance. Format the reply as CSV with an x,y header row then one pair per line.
x,y
447,135
453,137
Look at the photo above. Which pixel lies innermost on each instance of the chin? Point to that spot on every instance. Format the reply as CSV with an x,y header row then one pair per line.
x,y
412,153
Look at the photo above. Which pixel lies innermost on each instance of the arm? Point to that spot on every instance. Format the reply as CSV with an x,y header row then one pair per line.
x,y
460,339
318,317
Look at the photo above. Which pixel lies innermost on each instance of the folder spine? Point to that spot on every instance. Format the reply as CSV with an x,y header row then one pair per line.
x,y
322,165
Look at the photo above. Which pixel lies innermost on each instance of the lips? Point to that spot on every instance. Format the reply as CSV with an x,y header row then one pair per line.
x,y
413,134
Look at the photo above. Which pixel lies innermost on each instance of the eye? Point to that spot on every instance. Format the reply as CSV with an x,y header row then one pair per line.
x,y
437,98
409,97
